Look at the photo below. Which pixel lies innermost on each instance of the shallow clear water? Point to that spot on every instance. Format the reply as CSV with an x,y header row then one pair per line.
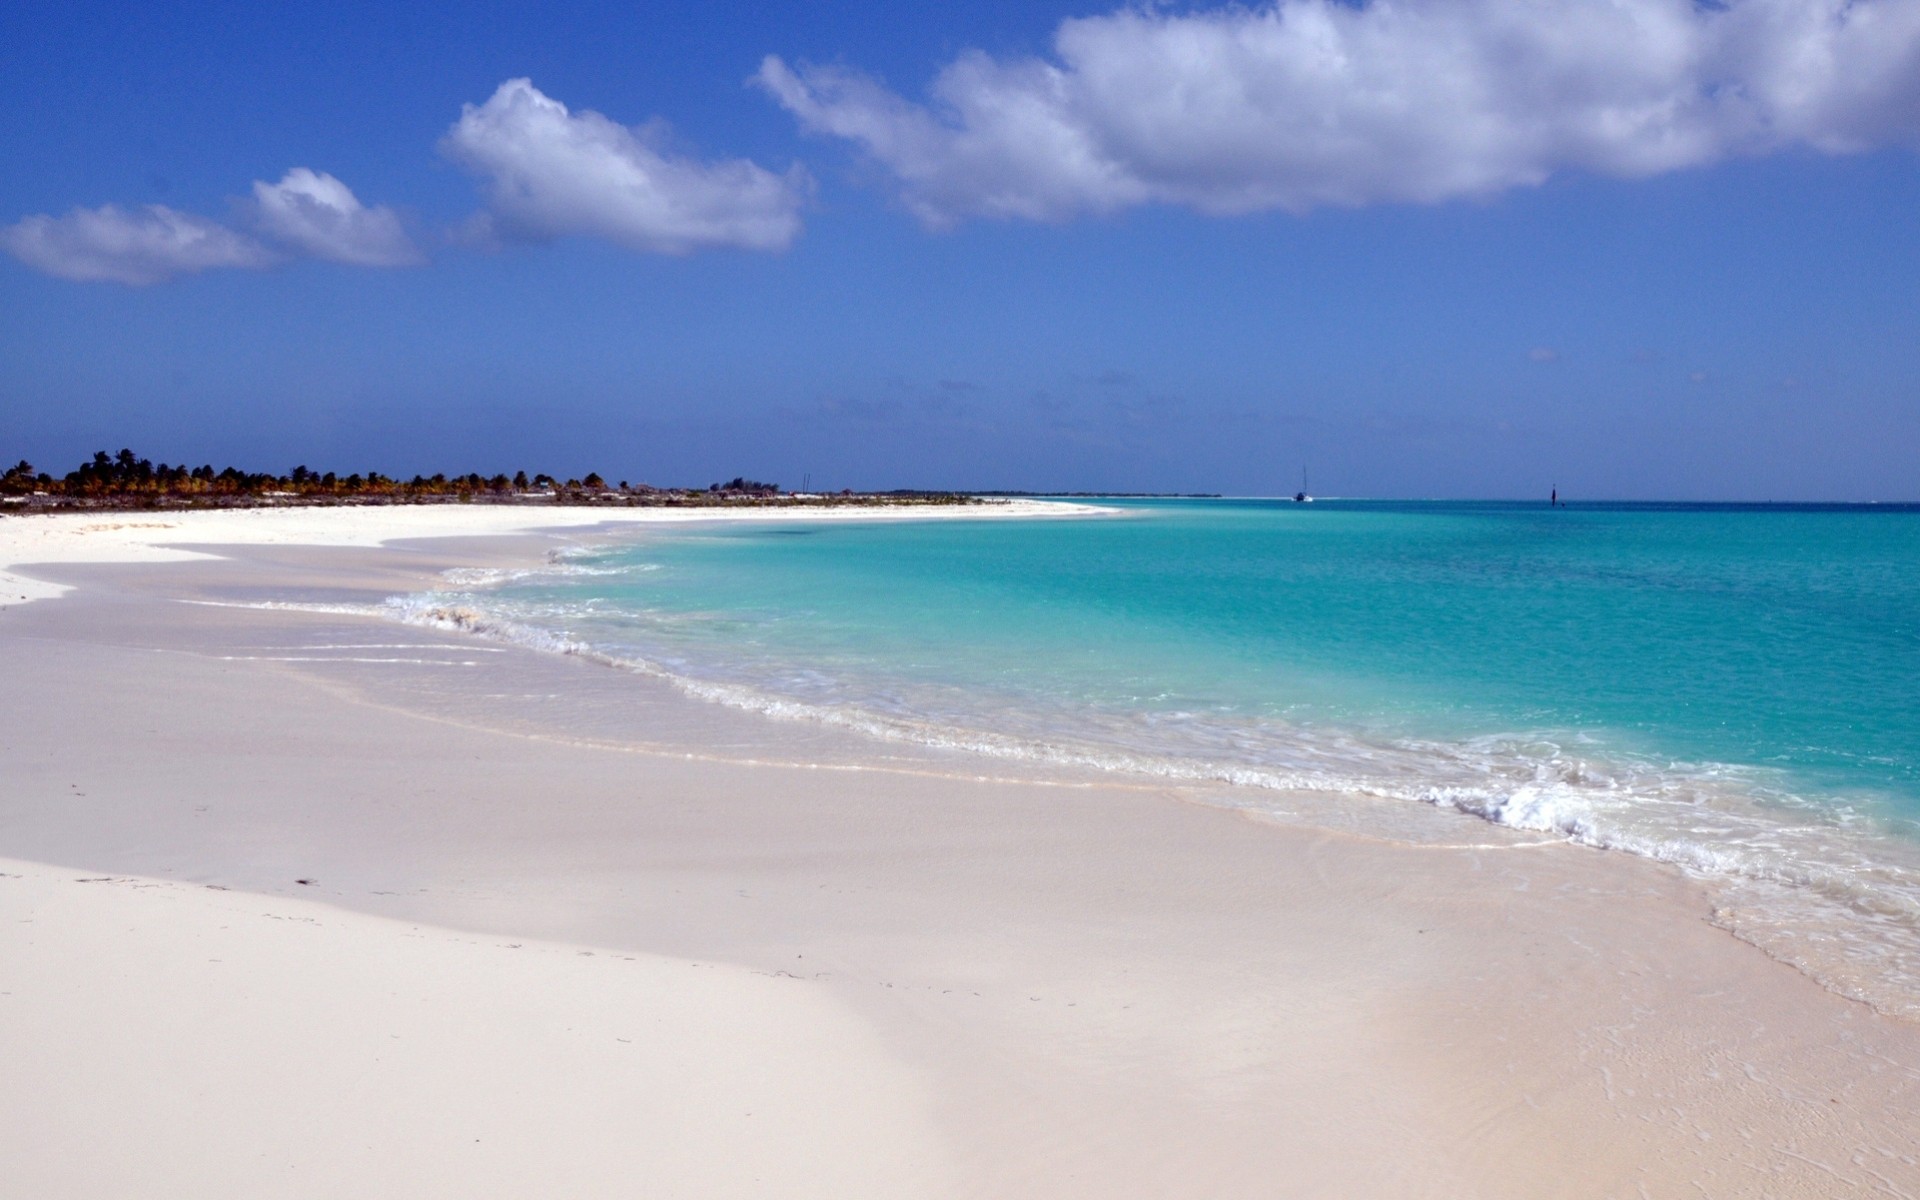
x,y
1728,688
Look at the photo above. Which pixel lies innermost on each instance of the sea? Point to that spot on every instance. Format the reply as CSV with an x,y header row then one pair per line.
x,y
1733,690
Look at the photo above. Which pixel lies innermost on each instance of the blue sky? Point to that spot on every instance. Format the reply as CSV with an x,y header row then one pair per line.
x,y
1636,249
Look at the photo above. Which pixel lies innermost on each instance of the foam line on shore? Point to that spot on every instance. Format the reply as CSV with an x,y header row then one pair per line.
x,y
1862,909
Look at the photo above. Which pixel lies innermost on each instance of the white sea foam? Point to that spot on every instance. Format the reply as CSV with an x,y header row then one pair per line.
x,y
401,646
339,658
559,564
342,610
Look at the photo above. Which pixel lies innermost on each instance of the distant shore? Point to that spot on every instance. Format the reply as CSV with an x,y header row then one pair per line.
x,y
127,482
601,498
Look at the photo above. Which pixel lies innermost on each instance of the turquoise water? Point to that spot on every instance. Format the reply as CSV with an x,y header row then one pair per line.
x,y
1728,688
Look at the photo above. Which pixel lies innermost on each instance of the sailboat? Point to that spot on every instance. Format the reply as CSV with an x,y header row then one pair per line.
x,y
1301,497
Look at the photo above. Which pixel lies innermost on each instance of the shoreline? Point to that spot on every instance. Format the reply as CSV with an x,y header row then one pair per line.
x,y
1789,896
1189,1001
158,535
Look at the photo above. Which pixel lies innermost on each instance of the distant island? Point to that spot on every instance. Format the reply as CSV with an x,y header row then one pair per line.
x,y
127,481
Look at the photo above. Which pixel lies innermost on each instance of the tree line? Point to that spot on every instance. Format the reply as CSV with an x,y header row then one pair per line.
x,y
128,480
127,474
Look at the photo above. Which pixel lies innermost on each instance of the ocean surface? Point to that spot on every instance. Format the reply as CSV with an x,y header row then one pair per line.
x,y
1731,689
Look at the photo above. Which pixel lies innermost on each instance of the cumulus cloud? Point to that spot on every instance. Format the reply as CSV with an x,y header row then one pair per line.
x,y
551,172
1308,103
317,215
308,213
138,248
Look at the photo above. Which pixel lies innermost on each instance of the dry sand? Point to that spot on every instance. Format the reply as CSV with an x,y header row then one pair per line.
x,y
933,979
81,537
167,1039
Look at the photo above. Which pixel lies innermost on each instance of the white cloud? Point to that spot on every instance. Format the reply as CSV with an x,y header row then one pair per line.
x,y
317,215
307,213
551,173
1309,103
108,243
1544,354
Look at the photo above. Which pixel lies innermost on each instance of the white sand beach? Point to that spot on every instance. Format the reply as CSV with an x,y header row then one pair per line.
x,y
277,922
171,1039
162,536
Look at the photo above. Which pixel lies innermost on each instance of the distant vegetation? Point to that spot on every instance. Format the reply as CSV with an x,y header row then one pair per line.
x,y
125,480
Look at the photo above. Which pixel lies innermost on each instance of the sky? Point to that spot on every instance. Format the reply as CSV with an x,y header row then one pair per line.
x,y
1429,248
